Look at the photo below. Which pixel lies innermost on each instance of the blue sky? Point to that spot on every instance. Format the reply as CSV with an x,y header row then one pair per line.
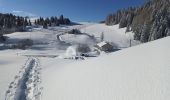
x,y
76,10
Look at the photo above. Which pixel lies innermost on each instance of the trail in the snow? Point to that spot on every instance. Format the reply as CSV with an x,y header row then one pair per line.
x,y
26,85
22,86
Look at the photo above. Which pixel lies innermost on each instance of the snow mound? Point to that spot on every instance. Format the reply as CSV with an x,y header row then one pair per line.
x,y
71,51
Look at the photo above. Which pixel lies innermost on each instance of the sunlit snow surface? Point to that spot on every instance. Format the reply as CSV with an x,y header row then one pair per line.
x,y
137,73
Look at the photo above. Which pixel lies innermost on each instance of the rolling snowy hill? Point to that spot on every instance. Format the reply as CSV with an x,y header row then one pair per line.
x,y
137,73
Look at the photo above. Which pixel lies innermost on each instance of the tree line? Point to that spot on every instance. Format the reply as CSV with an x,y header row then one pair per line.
x,y
10,23
149,22
52,21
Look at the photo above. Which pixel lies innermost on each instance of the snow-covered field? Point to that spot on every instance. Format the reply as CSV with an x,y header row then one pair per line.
x,y
44,73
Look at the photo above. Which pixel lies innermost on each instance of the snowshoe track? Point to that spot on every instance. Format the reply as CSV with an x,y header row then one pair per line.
x,y
27,84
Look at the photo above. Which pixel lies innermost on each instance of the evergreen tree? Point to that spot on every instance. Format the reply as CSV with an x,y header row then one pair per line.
x,y
61,19
29,23
145,33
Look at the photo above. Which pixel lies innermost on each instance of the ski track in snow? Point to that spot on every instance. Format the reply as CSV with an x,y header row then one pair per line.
x,y
26,85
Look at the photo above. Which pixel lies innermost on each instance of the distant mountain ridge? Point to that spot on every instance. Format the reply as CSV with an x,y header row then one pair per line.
x,y
149,22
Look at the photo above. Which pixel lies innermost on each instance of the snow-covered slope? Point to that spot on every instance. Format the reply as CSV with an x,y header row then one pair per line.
x,y
111,34
138,73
